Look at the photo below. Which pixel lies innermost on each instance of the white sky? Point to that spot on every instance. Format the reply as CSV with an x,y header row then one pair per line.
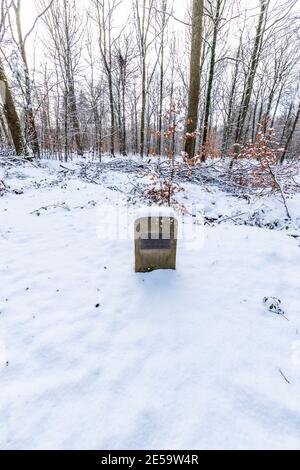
x,y
29,13
180,6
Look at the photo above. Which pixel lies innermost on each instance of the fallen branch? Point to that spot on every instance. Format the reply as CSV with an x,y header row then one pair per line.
x,y
3,186
287,381
67,169
13,159
62,205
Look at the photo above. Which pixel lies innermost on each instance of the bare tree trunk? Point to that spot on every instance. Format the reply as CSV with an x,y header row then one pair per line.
x,y
161,80
194,86
30,125
3,128
254,119
136,139
124,131
230,118
12,116
66,31
252,71
171,93
290,136
123,53
112,115
66,127
216,21
71,98
104,19
143,21
72,109
288,120
277,104
143,110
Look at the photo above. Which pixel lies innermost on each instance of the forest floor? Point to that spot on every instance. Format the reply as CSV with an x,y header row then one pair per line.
x,y
95,356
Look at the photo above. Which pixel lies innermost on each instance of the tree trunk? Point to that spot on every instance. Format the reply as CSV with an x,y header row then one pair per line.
x,y
143,110
288,120
161,81
3,128
136,127
290,136
72,108
30,125
112,115
252,72
277,104
216,21
12,117
194,84
254,119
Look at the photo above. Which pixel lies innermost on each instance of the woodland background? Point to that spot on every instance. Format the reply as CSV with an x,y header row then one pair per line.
x,y
145,77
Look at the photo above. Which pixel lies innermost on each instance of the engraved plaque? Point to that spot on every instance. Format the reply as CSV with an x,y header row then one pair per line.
x,y
155,244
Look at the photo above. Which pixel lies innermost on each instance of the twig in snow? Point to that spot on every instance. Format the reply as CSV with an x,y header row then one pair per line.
x,y
3,186
26,160
62,205
10,160
232,217
67,169
287,381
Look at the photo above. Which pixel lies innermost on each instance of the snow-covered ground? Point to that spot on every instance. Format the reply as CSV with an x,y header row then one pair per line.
x,y
94,356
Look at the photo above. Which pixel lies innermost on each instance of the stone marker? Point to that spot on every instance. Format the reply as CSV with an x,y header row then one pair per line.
x,y
155,243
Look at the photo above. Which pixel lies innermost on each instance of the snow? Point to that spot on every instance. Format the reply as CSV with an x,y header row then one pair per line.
x,y
94,356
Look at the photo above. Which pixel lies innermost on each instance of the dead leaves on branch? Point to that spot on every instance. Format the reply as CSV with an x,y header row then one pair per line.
x,y
163,183
255,165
